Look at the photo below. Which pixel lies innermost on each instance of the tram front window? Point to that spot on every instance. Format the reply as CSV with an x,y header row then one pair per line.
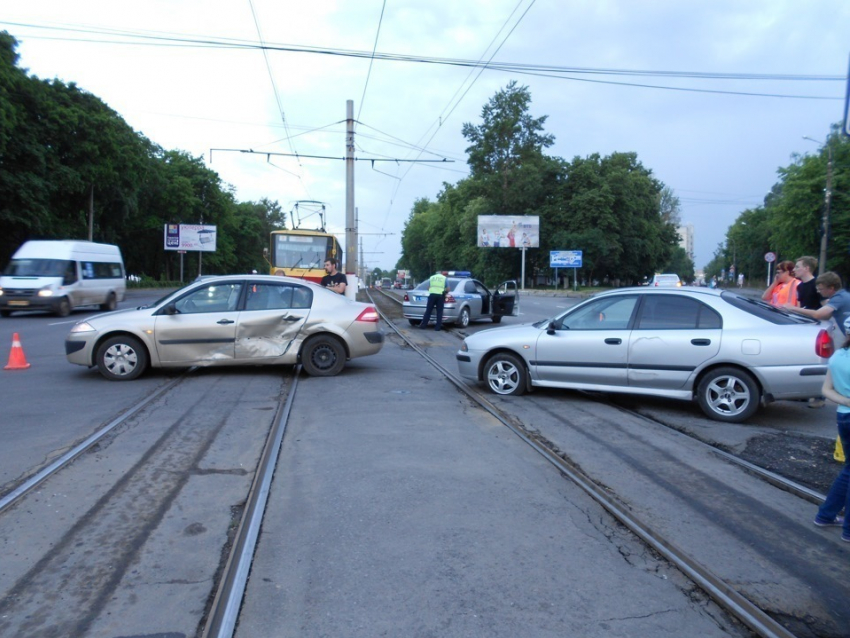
x,y
295,251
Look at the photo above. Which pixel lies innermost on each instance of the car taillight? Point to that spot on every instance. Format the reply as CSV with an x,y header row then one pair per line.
x,y
449,298
823,345
370,314
656,284
406,297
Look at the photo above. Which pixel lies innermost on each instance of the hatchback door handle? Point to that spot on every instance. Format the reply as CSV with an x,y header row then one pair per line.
x,y
701,342
613,341
224,322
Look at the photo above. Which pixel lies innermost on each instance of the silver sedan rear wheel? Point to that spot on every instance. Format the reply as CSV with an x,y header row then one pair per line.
x,y
463,317
728,394
505,374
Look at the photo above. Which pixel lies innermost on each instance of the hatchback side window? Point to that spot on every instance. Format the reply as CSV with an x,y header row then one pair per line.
x,y
600,314
469,288
666,312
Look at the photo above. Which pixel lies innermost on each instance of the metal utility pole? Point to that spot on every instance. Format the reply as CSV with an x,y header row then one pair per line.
x,y
826,202
350,223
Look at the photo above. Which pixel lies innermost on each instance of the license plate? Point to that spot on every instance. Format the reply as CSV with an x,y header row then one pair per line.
x,y
418,298
18,303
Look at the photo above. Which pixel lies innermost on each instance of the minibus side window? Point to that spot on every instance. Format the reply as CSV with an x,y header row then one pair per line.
x,y
70,276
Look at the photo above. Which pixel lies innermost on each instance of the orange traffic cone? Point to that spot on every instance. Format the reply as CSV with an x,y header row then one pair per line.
x,y
17,360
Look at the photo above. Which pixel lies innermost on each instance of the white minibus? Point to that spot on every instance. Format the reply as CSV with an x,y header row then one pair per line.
x,y
61,275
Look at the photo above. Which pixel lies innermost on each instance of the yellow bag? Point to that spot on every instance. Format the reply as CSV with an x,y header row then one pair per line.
x,y
838,455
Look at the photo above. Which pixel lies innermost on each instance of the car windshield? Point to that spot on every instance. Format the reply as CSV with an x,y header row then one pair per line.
x,y
764,310
37,268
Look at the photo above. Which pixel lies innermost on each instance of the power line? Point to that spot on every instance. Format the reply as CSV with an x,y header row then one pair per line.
x,y
371,59
512,67
276,94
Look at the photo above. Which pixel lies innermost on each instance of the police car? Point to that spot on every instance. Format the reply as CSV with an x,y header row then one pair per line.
x,y
467,300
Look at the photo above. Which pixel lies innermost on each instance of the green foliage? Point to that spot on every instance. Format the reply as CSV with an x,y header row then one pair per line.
x,y
61,147
611,208
790,222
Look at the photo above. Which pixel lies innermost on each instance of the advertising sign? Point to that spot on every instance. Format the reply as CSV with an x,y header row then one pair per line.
x,y
190,237
507,231
565,258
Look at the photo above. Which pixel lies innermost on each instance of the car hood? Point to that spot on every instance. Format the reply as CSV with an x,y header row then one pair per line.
x,y
128,314
486,338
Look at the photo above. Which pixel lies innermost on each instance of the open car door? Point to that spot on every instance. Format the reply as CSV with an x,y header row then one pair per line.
x,y
506,300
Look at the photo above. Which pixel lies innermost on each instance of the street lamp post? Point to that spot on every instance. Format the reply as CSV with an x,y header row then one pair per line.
x,y
826,203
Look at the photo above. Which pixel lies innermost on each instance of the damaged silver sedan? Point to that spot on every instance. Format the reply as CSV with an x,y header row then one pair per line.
x,y
230,320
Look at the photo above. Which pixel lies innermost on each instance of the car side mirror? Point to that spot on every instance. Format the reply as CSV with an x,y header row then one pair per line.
x,y
170,309
550,329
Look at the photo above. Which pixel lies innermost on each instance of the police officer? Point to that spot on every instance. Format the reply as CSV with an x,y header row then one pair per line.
x,y
436,296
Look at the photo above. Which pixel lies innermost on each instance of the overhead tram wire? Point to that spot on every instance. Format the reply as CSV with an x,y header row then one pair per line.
x,y
371,59
277,95
518,68
468,88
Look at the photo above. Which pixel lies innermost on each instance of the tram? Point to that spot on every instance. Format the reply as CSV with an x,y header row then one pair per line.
x,y
301,252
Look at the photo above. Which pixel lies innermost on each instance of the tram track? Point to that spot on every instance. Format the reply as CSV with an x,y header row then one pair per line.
x,y
221,615
24,487
181,441
722,592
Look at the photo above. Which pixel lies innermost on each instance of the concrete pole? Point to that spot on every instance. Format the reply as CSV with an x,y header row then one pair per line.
x,y
350,223
826,203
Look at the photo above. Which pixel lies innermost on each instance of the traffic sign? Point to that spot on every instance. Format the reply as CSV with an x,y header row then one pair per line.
x,y
565,258
769,257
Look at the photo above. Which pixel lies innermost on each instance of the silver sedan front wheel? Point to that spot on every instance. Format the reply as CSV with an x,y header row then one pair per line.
x,y
505,374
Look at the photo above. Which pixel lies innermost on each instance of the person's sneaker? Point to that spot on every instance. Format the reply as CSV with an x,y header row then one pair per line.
x,y
814,402
845,538
838,521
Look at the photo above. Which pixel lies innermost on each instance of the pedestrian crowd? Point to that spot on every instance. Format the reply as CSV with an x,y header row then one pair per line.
x,y
796,289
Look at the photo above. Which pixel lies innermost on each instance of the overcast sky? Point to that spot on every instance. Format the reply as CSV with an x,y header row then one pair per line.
x,y
719,152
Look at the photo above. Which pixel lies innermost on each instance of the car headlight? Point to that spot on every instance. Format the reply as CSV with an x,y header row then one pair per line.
x,y
45,292
83,326
1,292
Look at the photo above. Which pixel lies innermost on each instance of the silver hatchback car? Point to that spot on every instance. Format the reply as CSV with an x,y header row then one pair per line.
x,y
468,300
729,352
230,320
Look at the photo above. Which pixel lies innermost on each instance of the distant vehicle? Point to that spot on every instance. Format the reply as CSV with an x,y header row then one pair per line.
x,y
230,320
728,352
59,276
468,300
666,281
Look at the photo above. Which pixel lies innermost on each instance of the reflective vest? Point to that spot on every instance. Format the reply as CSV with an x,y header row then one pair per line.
x,y
437,284
785,293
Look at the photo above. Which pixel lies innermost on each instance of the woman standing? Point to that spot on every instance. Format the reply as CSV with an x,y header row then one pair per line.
x,y
836,388
783,290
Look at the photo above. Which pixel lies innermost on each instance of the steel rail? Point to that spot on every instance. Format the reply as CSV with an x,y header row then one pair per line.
x,y
8,499
224,612
723,594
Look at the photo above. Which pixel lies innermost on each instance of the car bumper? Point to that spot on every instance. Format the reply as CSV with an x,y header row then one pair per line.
x,y
467,365
12,303
450,312
79,351
791,382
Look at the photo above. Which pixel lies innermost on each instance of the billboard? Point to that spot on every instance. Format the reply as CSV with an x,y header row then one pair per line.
x,y
565,258
190,237
508,231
